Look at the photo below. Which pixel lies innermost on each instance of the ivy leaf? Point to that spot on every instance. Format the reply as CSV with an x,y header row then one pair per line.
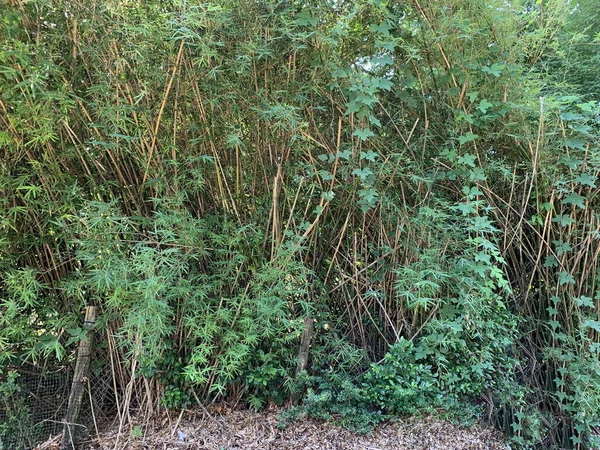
x,y
585,301
369,195
589,106
466,117
472,96
495,69
383,83
484,105
363,174
386,45
368,199
467,159
477,174
471,192
550,261
329,195
383,28
569,161
483,224
325,175
353,106
579,128
467,138
575,143
369,156
304,18
565,277
363,134
593,324
374,120
575,199
365,99
465,208
586,179
563,220
384,60
346,154
562,247
567,116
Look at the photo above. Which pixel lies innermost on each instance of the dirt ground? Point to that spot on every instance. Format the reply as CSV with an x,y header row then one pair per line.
x,y
237,430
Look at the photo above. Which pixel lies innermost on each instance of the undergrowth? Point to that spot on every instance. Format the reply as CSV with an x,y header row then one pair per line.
x,y
416,178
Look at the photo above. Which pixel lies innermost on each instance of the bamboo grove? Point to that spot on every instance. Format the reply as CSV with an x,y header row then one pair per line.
x,y
420,178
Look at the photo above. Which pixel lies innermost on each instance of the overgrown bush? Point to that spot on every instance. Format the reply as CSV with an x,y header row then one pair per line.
x,y
417,176
16,427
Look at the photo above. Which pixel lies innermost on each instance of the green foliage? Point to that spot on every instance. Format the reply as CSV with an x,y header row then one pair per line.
x,y
399,384
210,175
16,429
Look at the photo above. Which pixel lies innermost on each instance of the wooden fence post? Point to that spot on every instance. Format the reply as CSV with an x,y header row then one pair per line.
x,y
303,354
84,354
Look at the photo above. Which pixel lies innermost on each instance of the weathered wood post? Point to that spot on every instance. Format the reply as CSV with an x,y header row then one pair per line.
x,y
303,354
84,354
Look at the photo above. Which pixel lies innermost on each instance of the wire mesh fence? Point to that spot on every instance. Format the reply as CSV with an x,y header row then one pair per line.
x,y
34,399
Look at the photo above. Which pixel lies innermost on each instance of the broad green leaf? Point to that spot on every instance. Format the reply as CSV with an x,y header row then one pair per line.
x,y
484,105
363,134
382,28
585,301
575,143
374,120
467,159
369,155
383,83
467,138
562,247
570,161
465,208
571,116
466,117
550,261
369,195
386,45
305,18
593,324
494,70
563,220
472,96
472,191
574,199
586,179
565,278
588,107
384,60
345,154
329,195
483,224
477,174
325,175
364,174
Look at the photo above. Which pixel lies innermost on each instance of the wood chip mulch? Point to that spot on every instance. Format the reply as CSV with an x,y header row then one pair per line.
x,y
241,430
